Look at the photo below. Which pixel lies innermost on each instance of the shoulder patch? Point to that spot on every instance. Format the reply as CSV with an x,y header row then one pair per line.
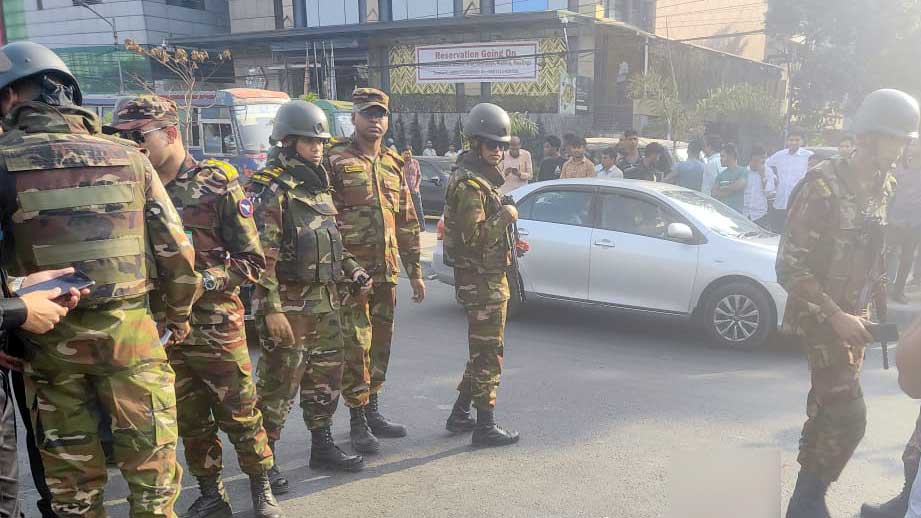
x,y
266,175
245,207
229,171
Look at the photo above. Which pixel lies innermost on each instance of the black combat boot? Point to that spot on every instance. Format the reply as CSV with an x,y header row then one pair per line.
x,y
808,500
898,506
380,426
213,502
460,420
487,433
362,439
324,454
264,503
276,479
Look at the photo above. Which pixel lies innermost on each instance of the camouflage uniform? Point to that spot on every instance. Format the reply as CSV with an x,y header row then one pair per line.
x,y
478,245
296,221
81,199
214,381
378,223
832,243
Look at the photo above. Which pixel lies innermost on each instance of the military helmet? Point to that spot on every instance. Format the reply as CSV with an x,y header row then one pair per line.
x,y
300,118
888,112
490,122
21,59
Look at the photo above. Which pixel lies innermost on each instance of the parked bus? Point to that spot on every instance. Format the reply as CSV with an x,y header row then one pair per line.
x,y
232,125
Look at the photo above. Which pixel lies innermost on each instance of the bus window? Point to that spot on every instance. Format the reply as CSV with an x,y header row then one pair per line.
x,y
255,122
196,130
218,139
106,114
344,127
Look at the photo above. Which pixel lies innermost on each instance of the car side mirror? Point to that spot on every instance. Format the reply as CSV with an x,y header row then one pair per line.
x,y
679,232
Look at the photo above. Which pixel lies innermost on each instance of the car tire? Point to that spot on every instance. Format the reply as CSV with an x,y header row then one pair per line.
x,y
515,306
738,315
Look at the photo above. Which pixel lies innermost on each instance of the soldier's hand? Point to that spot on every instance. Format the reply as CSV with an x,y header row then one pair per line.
x,y
69,299
418,286
279,328
366,288
180,331
42,312
509,214
850,329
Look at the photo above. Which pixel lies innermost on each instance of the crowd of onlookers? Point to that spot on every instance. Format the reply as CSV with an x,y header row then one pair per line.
x,y
760,190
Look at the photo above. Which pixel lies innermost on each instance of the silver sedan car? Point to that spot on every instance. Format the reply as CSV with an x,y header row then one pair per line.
x,y
648,247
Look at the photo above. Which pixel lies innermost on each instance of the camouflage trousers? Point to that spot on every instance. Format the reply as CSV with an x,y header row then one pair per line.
x,y
911,457
835,408
486,337
367,327
142,404
314,364
215,390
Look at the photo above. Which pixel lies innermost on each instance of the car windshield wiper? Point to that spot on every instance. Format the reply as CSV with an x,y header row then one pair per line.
x,y
751,233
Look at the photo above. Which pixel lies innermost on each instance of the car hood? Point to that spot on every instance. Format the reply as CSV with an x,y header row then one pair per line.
x,y
768,244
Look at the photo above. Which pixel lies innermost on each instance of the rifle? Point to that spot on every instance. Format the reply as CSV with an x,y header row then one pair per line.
x,y
513,238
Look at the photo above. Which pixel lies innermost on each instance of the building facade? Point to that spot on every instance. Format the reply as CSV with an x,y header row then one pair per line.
x,y
91,37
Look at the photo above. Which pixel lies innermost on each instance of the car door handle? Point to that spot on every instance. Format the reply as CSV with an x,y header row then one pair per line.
x,y
604,243
523,232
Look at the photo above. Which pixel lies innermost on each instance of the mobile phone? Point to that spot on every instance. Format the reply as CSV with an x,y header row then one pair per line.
x,y
77,280
166,337
884,333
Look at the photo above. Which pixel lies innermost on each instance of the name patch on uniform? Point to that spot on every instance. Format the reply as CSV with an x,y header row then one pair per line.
x,y
354,169
246,208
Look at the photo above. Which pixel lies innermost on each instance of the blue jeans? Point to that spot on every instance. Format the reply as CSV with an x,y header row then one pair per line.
x,y
417,203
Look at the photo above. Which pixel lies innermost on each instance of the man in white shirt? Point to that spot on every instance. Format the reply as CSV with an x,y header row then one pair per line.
x,y
452,152
516,167
760,191
789,166
608,166
429,149
712,162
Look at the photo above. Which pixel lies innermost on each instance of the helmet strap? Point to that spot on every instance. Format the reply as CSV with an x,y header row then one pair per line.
x,y
55,93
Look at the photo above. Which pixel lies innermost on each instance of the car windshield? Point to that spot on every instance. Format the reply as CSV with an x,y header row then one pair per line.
x,y
255,123
714,215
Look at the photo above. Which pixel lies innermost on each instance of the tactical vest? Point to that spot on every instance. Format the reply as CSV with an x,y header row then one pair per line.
x,y
311,250
493,259
81,202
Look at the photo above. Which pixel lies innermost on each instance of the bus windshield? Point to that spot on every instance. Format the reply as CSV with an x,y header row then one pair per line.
x,y
255,123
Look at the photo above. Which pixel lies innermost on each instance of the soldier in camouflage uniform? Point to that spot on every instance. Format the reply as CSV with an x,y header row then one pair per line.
x,y
214,381
74,197
296,300
378,224
829,261
478,243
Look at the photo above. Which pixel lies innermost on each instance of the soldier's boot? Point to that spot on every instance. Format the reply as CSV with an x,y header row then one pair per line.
x,y
264,503
324,454
808,500
460,420
360,434
213,502
276,479
487,433
898,506
380,426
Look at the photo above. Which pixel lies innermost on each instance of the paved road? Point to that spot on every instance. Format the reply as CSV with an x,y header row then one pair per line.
x,y
610,407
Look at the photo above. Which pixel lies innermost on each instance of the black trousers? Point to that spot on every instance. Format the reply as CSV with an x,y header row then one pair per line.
x,y
35,459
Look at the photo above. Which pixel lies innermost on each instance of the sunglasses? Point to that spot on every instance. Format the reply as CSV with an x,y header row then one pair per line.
x,y
374,113
138,136
490,144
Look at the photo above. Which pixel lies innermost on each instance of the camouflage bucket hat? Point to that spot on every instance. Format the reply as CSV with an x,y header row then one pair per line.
x,y
364,98
144,111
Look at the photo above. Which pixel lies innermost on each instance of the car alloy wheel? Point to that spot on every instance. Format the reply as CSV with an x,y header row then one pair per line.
x,y
736,318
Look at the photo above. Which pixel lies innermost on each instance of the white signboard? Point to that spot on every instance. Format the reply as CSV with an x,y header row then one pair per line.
x,y
477,62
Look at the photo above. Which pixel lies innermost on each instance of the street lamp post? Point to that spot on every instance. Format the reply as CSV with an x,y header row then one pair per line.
x,y
111,23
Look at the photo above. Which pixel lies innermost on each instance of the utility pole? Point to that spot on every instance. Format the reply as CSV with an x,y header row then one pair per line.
x,y
111,23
